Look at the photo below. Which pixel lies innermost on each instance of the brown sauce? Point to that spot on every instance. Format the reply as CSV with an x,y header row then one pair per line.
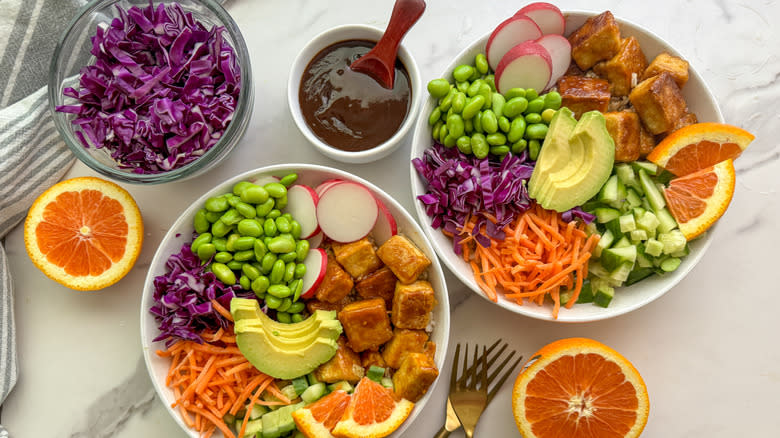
x,y
349,110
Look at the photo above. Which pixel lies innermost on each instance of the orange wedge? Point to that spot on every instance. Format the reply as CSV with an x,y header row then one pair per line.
x,y
84,233
373,412
699,199
319,418
698,146
578,388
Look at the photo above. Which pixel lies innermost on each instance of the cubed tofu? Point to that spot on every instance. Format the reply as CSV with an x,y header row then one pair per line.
x,y
314,304
646,141
415,376
344,365
369,357
687,119
627,63
378,284
366,324
403,258
677,67
596,40
624,127
582,94
412,305
358,258
336,285
430,349
659,103
404,341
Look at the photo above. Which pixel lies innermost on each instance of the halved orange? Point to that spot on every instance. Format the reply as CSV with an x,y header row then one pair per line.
x,y
319,418
699,199
699,146
373,412
579,388
84,233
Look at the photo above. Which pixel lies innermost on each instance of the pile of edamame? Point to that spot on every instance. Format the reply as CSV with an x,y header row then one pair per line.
x,y
477,119
246,239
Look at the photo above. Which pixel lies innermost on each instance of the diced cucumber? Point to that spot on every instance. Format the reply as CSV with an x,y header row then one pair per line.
x,y
685,251
670,264
653,196
666,221
229,418
289,392
300,384
595,269
603,295
620,202
609,192
614,226
620,274
604,214
313,392
622,242
591,205
627,223
312,379
343,385
375,373
653,247
565,296
648,167
673,241
253,427
639,274
586,293
638,235
387,382
257,411
648,222
606,239
591,228
664,176
626,175
612,258
642,261
632,198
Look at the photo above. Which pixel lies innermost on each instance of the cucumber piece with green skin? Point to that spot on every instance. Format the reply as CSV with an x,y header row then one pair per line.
x,y
614,226
666,222
653,247
387,382
682,253
375,373
606,239
565,296
638,235
289,392
613,258
342,385
627,223
312,379
603,295
586,293
253,428
620,275
313,392
670,264
622,242
673,241
626,175
632,198
609,192
300,384
648,167
642,260
648,221
257,411
605,214
653,196
639,274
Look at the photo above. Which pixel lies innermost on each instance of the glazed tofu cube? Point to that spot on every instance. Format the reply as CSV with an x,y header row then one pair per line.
x,y
404,341
314,304
344,365
403,258
415,376
366,324
378,284
369,357
358,258
596,40
582,94
430,349
412,305
659,103
687,119
677,67
627,63
646,142
624,127
336,285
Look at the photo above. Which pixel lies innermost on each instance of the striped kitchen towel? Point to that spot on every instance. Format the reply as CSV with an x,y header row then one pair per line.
x,y
32,155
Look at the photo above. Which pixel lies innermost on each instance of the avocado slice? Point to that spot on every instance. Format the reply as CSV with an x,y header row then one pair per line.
x,y
555,150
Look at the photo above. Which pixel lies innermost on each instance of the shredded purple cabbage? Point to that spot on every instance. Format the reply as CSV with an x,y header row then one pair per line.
x,y
161,92
183,295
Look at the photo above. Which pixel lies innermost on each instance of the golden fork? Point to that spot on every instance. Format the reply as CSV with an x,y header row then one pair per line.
x,y
452,422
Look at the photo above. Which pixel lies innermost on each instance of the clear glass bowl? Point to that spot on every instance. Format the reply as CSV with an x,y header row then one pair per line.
x,y
73,52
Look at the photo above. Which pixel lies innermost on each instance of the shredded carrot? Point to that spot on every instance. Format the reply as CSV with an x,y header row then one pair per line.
x,y
542,255
214,378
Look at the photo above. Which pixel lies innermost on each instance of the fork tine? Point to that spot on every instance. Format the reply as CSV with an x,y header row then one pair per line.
x,y
473,366
500,383
497,371
453,376
483,376
466,370
475,362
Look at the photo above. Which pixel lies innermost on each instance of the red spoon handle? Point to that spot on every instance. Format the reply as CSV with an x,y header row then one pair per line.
x,y
405,14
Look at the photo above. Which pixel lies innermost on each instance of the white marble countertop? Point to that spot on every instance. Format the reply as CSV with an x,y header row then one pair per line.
x,y
707,349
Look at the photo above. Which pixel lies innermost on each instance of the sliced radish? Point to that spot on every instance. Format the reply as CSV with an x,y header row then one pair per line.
x,y
559,49
347,212
526,65
385,226
508,34
325,185
548,17
316,262
316,240
302,205
263,180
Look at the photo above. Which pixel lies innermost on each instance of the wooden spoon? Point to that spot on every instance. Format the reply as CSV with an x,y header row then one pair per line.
x,y
379,63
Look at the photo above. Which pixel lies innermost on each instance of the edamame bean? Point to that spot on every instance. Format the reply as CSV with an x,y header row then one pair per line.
x,y
244,243
446,101
438,88
473,107
231,217
531,94
547,115
281,202
515,106
245,283
240,186
264,208
243,256
289,179
462,72
496,139
435,130
260,249
458,102
223,257
498,104
213,216
536,131
455,126
200,222
533,149
289,272
473,89
220,243
478,122
234,265
489,121
269,228
260,284
519,146
552,100
499,150
443,133
297,307
491,80
464,144
250,227
300,270
283,317
223,273
503,124
216,204
535,106
250,271
282,244
246,210
220,229
481,63
531,119
279,291
231,241
277,272
267,263
296,317
282,224
286,303
479,146
255,194
449,141
200,240
468,126
206,251
435,116
272,302
297,288
295,229
288,257
301,250
516,129
514,92
487,93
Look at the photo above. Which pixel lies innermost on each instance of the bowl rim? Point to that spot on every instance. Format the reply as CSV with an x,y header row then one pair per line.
x,y
231,136
441,325
320,42
467,279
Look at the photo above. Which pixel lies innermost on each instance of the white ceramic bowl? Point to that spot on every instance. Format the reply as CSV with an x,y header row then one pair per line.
x,y
310,174
332,36
700,100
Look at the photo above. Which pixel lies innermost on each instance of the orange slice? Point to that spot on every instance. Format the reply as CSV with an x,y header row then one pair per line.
x,y
373,412
319,418
699,199
577,388
699,146
84,233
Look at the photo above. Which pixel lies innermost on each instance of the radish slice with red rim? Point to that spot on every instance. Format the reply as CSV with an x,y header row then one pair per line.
x,y
526,65
316,263
547,16
559,49
302,205
508,34
386,226
347,212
